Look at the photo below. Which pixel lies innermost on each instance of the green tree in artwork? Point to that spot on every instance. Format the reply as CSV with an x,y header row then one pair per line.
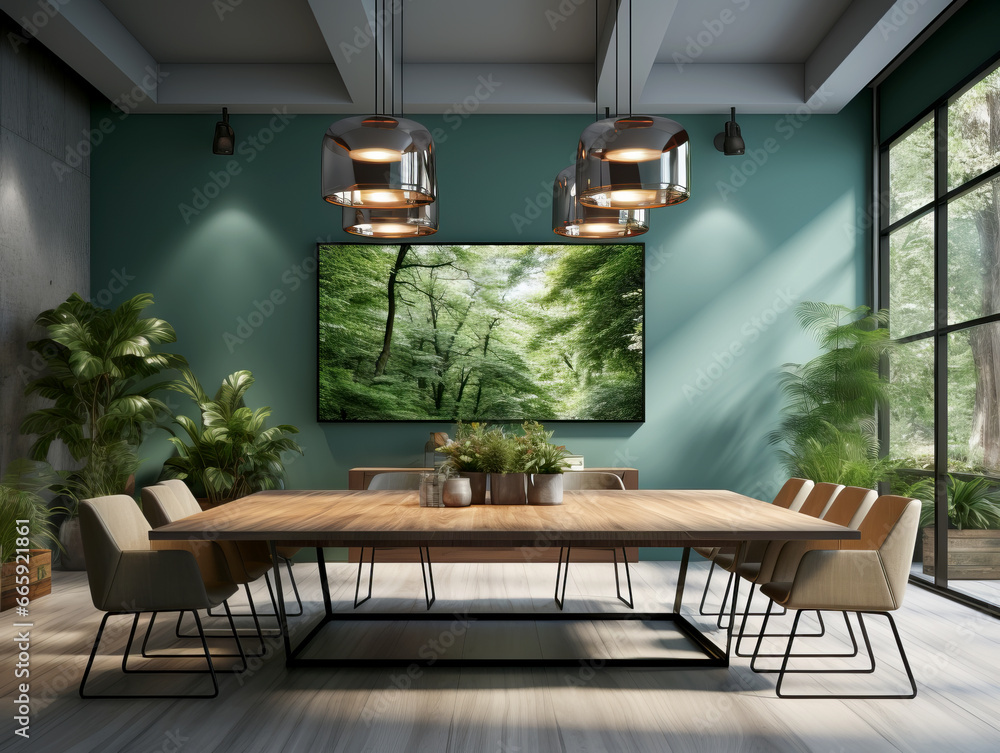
x,y
416,331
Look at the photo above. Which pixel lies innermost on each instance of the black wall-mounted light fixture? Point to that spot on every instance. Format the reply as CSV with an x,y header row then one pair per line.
x,y
730,142
225,139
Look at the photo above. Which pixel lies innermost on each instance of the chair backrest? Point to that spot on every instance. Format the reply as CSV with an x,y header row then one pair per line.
x,y
388,481
820,499
183,494
161,505
850,506
890,527
582,480
108,527
793,493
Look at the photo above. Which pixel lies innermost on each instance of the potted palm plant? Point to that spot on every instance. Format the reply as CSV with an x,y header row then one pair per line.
x,y
544,462
974,527
99,372
230,452
829,426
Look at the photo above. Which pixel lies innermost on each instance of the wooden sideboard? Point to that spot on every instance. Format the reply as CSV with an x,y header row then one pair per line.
x,y
360,478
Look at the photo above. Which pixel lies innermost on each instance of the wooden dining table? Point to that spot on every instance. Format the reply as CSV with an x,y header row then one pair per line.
x,y
648,518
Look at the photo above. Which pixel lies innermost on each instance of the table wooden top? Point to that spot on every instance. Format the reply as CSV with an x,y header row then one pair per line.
x,y
678,517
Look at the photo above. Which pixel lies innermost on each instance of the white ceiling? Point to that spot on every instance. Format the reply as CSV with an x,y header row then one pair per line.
x,y
763,56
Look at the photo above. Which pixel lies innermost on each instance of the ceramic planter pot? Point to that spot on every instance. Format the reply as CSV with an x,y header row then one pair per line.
x,y
545,489
477,482
71,558
457,492
508,488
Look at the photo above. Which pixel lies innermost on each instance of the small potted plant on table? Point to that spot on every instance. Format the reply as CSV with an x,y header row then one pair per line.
x,y
544,462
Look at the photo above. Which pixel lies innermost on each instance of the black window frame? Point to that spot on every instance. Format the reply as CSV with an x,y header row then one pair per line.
x,y
938,206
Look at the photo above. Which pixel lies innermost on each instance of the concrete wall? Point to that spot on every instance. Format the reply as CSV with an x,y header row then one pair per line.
x,y
44,212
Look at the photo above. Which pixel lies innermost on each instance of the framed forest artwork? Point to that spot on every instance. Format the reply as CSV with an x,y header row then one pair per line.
x,y
481,332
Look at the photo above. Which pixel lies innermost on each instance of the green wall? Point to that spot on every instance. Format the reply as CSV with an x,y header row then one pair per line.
x,y
966,41
721,270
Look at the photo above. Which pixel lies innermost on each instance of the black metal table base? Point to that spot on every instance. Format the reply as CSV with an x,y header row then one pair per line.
x,y
714,655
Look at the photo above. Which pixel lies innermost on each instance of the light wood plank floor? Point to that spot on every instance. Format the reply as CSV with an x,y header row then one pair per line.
x,y
955,653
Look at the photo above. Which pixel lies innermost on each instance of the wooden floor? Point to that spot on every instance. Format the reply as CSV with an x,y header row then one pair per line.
x,y
955,653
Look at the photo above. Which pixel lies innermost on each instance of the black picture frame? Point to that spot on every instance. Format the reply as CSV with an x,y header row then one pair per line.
x,y
505,420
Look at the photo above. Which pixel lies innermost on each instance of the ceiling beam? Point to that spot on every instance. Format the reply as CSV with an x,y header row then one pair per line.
x,y
715,87
631,36
865,39
350,29
461,90
248,88
89,39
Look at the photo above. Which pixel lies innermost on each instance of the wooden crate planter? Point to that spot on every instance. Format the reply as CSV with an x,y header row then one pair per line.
x,y
972,555
39,578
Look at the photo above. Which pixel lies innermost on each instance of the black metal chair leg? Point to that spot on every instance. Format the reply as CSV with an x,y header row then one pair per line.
x,y
704,593
864,632
371,577
295,588
725,600
429,597
747,613
822,655
128,647
232,624
630,603
561,601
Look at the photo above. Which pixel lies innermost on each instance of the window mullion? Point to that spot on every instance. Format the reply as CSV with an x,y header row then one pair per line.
x,y
941,347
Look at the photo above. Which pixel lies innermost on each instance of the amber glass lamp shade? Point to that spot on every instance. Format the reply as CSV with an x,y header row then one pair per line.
x,y
638,162
392,223
572,219
378,162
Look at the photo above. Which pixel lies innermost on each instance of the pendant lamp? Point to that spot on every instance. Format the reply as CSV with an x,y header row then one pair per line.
x,y
392,223
634,162
379,161
572,219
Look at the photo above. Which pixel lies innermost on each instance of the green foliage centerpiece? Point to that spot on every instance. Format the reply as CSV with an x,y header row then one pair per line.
x,y
544,462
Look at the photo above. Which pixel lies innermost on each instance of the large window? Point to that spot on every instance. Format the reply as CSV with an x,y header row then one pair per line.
x,y
940,258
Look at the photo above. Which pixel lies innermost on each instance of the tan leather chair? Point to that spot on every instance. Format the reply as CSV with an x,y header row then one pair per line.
x,y
582,481
848,508
865,577
792,496
399,482
252,552
247,561
128,576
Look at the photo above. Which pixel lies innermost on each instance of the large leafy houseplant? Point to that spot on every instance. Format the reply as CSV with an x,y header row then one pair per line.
x,y
99,369
231,452
973,504
829,427
23,505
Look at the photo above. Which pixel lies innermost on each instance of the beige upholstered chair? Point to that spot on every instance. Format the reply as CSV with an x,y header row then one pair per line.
x,y
249,560
781,558
791,496
865,577
161,505
128,576
399,482
255,551
582,481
